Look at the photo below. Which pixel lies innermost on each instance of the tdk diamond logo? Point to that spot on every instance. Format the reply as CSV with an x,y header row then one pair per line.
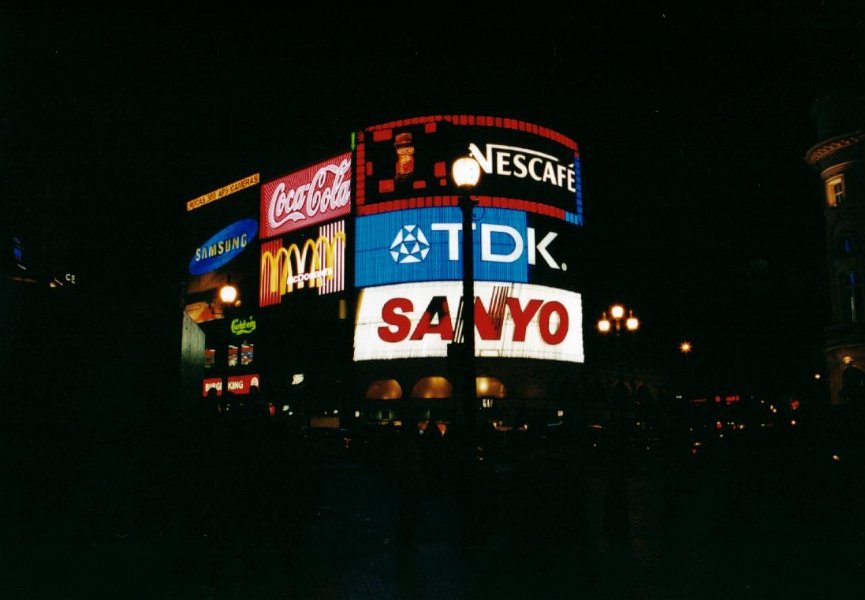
x,y
409,246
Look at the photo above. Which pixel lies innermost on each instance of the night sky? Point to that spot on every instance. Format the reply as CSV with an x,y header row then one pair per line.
x,y
693,124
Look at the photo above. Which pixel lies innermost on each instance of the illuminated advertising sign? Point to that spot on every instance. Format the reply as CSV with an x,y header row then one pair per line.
x,y
512,320
314,261
425,244
243,326
406,164
223,246
213,383
315,194
241,384
222,192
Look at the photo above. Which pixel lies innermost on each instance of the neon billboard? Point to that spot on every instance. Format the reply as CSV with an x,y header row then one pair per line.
x,y
223,246
222,192
242,384
405,164
211,383
308,262
318,193
512,320
425,244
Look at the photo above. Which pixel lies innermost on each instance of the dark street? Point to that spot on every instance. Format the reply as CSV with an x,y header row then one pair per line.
x,y
241,509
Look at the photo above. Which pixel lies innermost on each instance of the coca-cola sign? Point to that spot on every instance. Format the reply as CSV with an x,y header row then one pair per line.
x,y
312,195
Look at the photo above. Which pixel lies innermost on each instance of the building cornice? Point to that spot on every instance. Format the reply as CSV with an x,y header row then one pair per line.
x,y
832,145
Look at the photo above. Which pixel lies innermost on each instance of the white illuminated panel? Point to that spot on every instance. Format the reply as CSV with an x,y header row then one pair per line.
x,y
512,320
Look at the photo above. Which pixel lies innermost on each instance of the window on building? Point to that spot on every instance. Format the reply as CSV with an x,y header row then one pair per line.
x,y
852,383
846,244
835,191
247,352
851,297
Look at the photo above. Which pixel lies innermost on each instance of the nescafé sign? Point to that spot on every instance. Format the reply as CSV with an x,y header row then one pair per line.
x,y
406,164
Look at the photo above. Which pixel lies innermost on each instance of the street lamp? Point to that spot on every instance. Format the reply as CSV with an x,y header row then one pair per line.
x,y
617,314
466,172
228,294
616,324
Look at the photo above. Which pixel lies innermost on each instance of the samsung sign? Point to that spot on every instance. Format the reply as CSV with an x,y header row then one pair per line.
x,y
425,244
512,320
223,246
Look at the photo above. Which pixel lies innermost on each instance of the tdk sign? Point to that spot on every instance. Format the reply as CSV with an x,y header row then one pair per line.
x,y
223,246
425,244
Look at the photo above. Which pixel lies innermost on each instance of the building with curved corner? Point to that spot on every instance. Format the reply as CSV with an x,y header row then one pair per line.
x,y
349,275
839,158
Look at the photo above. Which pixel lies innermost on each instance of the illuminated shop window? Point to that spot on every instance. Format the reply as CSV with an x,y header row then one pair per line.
x,y
850,285
246,353
209,357
835,191
232,355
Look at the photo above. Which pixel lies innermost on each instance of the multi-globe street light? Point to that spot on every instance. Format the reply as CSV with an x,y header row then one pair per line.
x,y
615,325
466,173
617,319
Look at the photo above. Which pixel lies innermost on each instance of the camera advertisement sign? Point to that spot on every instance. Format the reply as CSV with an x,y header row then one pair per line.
x,y
512,320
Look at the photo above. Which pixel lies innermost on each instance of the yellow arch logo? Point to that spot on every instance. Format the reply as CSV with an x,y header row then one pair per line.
x,y
283,270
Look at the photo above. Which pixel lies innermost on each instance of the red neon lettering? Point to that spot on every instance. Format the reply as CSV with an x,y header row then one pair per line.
x,y
437,306
390,316
547,310
521,317
399,325
484,323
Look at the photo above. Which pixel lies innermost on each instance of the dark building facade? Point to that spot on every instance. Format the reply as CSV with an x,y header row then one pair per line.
x,y
839,158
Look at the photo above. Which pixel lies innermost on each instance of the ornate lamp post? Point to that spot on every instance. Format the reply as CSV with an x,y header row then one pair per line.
x,y
617,324
617,319
466,172
616,501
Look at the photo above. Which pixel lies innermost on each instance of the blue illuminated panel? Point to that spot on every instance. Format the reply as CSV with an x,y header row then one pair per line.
x,y
425,244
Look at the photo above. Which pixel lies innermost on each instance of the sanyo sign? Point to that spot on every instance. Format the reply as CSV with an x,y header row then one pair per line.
x,y
523,163
426,244
512,320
